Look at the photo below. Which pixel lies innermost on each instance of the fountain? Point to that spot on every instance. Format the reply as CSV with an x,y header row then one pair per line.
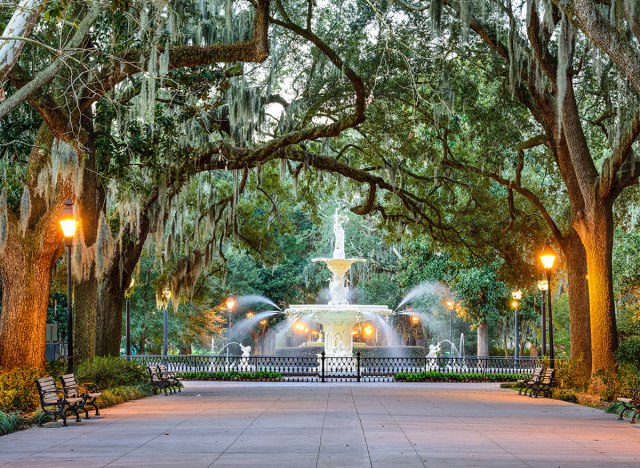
x,y
338,317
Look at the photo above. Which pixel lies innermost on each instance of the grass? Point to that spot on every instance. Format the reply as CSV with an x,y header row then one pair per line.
x,y
10,422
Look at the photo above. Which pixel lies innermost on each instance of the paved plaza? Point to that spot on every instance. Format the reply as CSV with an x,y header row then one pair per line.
x,y
334,425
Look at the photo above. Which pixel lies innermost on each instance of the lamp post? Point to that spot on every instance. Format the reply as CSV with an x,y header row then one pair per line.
x,y
451,305
548,259
127,349
517,296
543,286
165,335
69,224
230,302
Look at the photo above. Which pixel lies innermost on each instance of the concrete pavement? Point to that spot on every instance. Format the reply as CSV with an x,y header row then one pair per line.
x,y
334,425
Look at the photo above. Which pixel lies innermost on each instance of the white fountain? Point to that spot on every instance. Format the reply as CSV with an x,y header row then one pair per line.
x,y
338,317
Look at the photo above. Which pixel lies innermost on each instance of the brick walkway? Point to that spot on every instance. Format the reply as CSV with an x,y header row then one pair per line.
x,y
334,425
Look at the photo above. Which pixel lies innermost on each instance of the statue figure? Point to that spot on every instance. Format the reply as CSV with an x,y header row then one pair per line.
x,y
246,351
339,349
338,232
433,351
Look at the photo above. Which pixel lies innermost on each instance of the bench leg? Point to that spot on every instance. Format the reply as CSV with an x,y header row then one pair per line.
x,y
624,410
74,410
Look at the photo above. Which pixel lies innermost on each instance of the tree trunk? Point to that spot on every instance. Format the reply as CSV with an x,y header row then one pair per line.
x,y
85,288
109,316
26,275
84,319
578,290
483,340
597,236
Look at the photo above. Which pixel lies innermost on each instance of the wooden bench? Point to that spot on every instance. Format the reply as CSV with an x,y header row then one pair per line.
x,y
630,404
54,403
157,382
87,391
170,377
527,384
544,385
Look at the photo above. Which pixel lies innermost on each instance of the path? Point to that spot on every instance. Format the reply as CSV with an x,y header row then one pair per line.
x,y
334,425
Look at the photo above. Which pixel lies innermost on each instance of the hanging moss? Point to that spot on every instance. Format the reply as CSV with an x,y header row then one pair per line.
x,y
25,209
4,220
104,246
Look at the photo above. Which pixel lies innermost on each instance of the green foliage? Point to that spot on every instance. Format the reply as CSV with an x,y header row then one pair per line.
x,y
56,368
568,374
566,395
10,422
435,376
233,376
110,372
120,394
629,351
18,391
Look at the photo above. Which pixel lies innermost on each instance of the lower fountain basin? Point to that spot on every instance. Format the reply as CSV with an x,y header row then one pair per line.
x,y
337,320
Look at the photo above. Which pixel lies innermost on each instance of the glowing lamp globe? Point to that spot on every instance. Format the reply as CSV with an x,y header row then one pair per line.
x,y
547,257
68,221
230,302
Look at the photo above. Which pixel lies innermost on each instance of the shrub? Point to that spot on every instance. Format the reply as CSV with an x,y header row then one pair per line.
x,y
56,368
629,351
233,375
566,395
109,372
116,395
568,374
18,390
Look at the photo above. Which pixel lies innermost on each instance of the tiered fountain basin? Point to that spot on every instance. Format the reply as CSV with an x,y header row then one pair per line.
x,y
337,322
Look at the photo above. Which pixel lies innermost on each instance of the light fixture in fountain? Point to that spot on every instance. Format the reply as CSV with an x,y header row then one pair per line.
x,y
338,317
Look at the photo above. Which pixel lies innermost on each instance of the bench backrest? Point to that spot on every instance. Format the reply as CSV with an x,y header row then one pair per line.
x,y
164,371
548,376
70,385
154,372
48,391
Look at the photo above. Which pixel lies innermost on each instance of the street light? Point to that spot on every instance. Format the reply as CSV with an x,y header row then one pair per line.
x,y
543,286
451,305
69,224
230,302
517,296
548,259
128,324
250,314
165,336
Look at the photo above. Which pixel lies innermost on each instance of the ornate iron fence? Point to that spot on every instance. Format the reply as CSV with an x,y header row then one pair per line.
x,y
356,368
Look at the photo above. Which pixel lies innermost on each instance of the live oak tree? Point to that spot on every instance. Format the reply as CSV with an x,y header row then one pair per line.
x,y
576,73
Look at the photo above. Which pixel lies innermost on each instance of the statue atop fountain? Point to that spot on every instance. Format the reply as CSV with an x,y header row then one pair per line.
x,y
338,317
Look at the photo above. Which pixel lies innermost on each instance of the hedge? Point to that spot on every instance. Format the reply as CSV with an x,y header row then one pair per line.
x,y
434,376
269,376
